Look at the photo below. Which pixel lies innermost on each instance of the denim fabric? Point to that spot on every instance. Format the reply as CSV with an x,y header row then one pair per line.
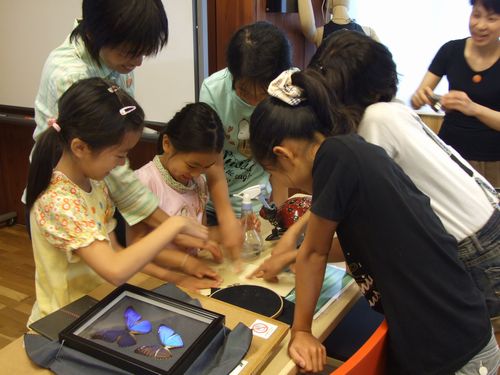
x,y
480,253
488,357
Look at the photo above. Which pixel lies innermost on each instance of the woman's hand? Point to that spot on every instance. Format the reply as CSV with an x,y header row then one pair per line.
x,y
421,97
306,351
459,101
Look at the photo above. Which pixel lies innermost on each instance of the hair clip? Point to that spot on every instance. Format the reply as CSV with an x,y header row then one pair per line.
x,y
52,122
126,110
113,89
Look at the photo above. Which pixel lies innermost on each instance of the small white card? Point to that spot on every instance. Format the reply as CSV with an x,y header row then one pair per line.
x,y
238,368
263,329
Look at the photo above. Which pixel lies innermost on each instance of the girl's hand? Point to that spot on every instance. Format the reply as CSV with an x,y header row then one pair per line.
x,y
306,351
459,101
188,225
195,284
273,266
421,97
213,248
198,269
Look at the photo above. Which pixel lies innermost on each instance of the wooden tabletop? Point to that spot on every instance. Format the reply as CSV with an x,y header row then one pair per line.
x,y
265,356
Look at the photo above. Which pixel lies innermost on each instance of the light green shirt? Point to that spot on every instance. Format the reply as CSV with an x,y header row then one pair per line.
x,y
242,171
71,62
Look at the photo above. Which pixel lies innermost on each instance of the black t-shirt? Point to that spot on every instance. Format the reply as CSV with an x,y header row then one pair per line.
x,y
469,136
331,27
402,258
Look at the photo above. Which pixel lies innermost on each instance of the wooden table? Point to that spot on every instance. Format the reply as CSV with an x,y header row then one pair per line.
x,y
268,357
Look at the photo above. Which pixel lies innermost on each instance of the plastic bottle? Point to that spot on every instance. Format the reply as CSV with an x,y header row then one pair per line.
x,y
252,244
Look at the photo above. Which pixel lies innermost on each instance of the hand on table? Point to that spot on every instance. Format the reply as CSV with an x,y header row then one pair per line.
x,y
307,352
196,284
214,249
273,266
200,270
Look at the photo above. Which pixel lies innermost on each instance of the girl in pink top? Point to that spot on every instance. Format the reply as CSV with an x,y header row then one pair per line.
x,y
188,145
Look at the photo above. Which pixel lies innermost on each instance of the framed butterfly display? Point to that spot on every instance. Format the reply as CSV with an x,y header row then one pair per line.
x,y
143,332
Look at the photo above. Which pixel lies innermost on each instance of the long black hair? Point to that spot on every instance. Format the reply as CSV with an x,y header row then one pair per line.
x,y
273,120
90,111
141,26
195,128
358,69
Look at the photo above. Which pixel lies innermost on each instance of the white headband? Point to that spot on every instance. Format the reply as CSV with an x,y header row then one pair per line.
x,y
282,88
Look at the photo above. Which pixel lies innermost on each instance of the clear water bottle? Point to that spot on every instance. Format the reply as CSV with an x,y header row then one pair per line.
x,y
252,243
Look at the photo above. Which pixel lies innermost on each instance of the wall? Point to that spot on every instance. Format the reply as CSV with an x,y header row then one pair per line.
x,y
226,16
30,29
414,31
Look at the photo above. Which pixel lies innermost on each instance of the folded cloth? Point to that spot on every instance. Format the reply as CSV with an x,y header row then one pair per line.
x,y
221,356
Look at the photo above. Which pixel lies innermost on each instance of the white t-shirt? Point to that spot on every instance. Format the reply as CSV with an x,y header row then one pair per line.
x,y
455,197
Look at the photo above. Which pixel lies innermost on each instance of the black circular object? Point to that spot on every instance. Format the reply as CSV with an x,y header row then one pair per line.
x,y
252,297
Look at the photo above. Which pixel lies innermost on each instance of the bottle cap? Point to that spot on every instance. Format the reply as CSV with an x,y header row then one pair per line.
x,y
246,199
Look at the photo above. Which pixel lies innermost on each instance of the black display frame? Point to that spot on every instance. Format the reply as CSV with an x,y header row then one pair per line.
x,y
70,336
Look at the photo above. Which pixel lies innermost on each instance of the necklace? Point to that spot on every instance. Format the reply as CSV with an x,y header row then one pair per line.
x,y
179,187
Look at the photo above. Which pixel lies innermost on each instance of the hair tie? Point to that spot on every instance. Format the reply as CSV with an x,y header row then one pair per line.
x,y
282,88
112,89
126,110
52,122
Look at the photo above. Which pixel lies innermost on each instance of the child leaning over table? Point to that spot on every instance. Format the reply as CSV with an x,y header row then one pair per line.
x,y
188,145
71,213
403,259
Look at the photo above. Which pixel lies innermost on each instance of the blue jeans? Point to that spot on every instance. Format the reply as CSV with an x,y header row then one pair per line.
x,y
488,357
480,253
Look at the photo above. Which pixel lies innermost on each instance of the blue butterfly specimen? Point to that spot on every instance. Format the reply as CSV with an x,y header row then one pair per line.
x,y
125,337
169,339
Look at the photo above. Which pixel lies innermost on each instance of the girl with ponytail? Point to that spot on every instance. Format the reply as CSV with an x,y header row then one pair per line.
x,y
71,212
393,243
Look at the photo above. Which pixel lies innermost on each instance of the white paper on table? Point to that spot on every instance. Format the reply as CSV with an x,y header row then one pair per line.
x,y
283,287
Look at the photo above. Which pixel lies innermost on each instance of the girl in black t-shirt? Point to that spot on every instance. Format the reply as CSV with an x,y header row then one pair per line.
x,y
407,262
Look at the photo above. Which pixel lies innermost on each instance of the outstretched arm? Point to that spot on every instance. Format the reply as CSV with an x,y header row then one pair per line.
x,y
117,267
229,227
307,24
306,351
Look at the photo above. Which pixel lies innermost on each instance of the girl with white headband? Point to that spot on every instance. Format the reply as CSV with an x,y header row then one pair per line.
x,y
404,261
